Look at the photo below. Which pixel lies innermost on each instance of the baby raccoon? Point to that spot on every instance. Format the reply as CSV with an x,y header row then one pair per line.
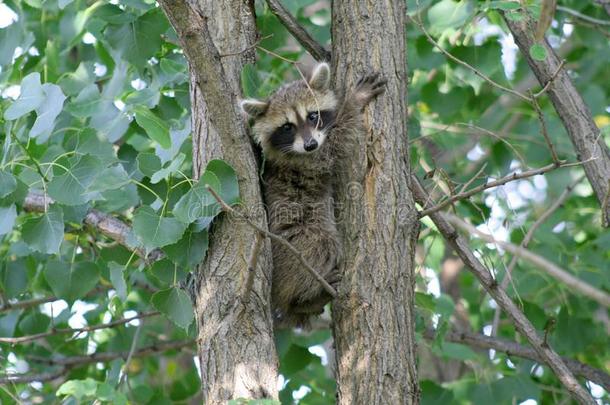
x,y
304,130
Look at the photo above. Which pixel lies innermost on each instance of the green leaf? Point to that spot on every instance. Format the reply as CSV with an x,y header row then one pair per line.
x,y
155,127
86,103
176,305
14,277
7,219
139,41
45,232
538,52
105,392
504,5
449,14
117,278
79,389
73,82
47,112
198,202
34,323
88,143
148,163
190,250
10,38
71,281
229,188
8,184
70,188
296,359
31,97
173,167
110,178
154,230
423,300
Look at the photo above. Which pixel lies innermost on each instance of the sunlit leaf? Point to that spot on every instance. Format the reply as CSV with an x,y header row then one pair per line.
x,y
31,97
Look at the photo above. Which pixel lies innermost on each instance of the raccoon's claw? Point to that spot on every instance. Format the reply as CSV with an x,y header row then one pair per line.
x,y
368,87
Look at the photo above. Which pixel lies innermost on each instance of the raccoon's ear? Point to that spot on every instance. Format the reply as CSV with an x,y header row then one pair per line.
x,y
254,107
320,78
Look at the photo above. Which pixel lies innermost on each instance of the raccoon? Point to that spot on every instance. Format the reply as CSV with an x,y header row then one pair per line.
x,y
305,129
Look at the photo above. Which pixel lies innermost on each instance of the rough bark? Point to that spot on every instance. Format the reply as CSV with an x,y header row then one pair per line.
x,y
235,340
373,315
573,112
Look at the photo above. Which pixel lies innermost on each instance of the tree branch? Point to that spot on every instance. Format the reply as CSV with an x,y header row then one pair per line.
x,y
298,32
43,300
515,349
28,378
106,224
74,361
572,110
522,324
225,207
53,332
542,263
499,182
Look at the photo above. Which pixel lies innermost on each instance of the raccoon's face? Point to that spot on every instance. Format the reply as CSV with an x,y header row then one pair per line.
x,y
297,118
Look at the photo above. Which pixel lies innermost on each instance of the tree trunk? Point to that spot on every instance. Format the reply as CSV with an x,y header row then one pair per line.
x,y
373,315
235,340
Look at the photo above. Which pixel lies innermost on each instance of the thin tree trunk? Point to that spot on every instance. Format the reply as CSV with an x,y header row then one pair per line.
x,y
235,340
373,315
573,112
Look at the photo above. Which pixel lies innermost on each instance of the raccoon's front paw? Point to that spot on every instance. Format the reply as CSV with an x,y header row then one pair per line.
x,y
368,87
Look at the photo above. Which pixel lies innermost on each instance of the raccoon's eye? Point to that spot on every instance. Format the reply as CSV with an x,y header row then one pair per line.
x,y
287,127
312,116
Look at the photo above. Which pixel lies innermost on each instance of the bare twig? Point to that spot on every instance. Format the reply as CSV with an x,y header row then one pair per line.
x,y
225,207
550,81
53,332
542,263
544,130
109,356
515,349
43,300
132,350
418,22
315,49
499,182
584,17
522,324
28,378
106,224
526,240
256,248
249,48
26,303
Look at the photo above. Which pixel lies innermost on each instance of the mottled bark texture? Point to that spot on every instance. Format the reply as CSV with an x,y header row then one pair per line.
x,y
235,340
373,314
573,112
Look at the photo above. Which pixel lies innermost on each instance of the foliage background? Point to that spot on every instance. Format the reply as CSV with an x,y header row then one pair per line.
x,y
95,110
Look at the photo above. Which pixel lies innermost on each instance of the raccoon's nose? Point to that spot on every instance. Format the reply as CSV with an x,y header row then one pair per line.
x,y
310,144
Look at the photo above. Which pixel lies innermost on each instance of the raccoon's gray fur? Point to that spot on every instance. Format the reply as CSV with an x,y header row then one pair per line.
x,y
304,130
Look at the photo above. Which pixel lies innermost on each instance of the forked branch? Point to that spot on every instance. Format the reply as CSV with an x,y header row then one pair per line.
x,y
522,324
